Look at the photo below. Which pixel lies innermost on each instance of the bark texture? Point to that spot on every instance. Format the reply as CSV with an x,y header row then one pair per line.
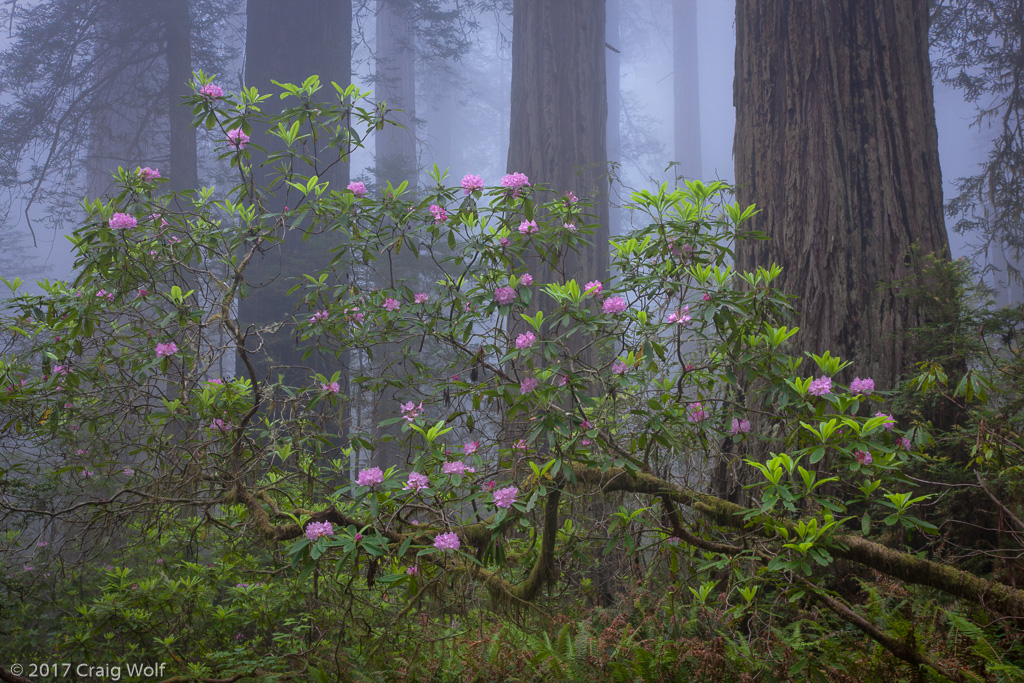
x,y
836,143
560,111
396,88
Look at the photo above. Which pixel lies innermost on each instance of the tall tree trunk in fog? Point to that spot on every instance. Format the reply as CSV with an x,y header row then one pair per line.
x,y
613,77
560,111
558,138
396,86
836,143
183,172
686,90
288,42
396,162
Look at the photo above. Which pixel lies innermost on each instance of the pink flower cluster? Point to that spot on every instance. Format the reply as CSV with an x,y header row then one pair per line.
x,y
411,411
471,183
420,298
504,295
862,386
614,304
696,412
211,90
528,385
740,426
619,368
168,349
353,314
439,214
820,386
504,498
528,227
123,221
148,173
525,340
682,317
358,189
515,182
416,482
317,530
471,447
391,304
331,388
526,279
594,287
863,457
889,421
456,467
319,317
448,541
238,138
371,476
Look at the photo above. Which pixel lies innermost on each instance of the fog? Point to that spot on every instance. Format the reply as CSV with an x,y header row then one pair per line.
x,y
465,91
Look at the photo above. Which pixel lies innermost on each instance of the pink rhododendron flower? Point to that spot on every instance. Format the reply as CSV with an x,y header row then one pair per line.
x,y
238,138
528,385
515,182
563,380
456,467
212,91
168,349
420,298
706,297
696,412
128,472
448,541
525,340
471,183
862,386
594,287
358,189
391,304
614,304
219,425
682,317
504,241
148,173
317,530
903,442
143,292
571,227
410,411
820,386
123,221
673,540
489,486
471,447
439,214
619,368
331,388
528,227
371,476
504,295
740,426
526,279
412,571
319,317
863,457
353,314
504,498
520,445
889,423
570,198
61,370
416,482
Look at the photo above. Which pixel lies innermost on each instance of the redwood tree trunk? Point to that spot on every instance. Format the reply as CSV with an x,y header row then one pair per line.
x,y
396,87
836,143
184,173
560,111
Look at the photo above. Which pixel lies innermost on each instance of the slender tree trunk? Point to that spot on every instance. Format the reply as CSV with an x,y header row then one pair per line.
x,y
396,87
836,143
614,80
184,171
686,88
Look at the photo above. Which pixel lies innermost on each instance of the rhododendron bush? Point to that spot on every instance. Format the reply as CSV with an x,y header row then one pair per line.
x,y
525,392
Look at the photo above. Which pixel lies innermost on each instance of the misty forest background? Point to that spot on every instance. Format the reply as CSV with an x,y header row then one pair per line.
x,y
882,143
